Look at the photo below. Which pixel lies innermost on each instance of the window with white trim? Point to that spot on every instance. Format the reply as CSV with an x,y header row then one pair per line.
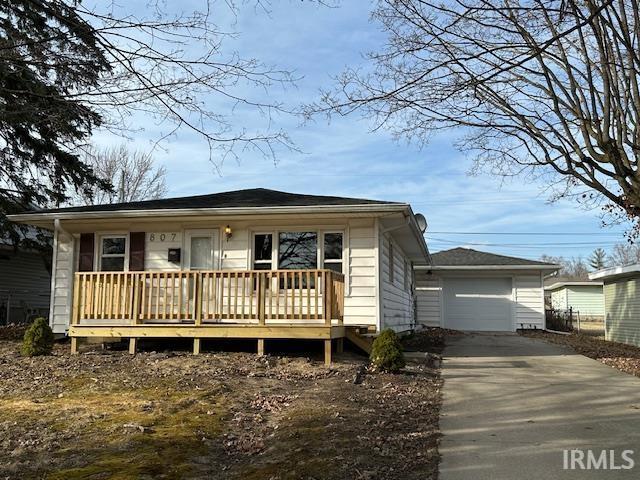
x,y
332,249
263,251
113,253
297,250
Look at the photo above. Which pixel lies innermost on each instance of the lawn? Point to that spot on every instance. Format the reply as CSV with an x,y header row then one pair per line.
x,y
167,414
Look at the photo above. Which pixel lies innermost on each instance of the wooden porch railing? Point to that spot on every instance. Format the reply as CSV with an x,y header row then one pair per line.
x,y
248,296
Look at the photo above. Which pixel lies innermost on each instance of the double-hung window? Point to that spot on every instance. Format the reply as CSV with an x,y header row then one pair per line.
x,y
263,251
113,253
332,251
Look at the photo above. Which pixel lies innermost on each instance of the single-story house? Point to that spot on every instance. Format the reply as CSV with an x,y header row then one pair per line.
x,y
621,303
465,289
585,299
252,263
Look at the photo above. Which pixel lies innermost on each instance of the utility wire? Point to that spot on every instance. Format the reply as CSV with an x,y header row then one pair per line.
x,y
527,233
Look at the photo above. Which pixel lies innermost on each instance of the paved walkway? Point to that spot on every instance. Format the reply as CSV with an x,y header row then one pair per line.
x,y
511,405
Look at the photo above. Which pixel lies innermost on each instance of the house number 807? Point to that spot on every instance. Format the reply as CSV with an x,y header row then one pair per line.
x,y
162,237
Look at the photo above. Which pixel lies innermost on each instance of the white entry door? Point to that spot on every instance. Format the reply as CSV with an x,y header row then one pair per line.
x,y
201,249
482,304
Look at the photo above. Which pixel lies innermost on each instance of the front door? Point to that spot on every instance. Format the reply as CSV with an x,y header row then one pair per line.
x,y
201,249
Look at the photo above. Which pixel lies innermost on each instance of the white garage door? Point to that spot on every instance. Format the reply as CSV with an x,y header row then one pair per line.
x,y
478,304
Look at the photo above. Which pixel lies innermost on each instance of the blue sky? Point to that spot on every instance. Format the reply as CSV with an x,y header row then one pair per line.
x,y
344,157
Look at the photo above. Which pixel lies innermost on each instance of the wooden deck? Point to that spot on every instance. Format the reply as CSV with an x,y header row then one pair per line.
x,y
259,304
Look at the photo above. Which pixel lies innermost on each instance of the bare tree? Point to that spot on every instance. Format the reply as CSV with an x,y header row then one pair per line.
x,y
573,268
625,254
548,87
69,67
132,173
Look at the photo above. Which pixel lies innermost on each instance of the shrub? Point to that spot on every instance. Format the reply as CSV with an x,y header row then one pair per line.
x,y
386,352
38,339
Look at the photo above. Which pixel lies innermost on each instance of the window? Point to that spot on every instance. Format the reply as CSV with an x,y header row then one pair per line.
x,y
113,253
332,252
297,250
262,251
201,253
391,263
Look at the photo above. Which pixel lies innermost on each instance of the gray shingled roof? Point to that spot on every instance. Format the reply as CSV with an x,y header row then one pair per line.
x,y
256,197
464,257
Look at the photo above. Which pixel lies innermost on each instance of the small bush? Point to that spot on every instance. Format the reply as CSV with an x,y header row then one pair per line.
x,y
38,339
386,352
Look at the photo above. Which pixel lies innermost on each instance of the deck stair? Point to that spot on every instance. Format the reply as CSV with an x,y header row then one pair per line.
x,y
361,337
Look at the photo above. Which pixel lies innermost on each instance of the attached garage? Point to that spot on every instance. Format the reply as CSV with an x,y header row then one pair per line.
x,y
465,289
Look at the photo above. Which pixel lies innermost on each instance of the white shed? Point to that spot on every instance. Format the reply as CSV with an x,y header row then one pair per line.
x,y
466,289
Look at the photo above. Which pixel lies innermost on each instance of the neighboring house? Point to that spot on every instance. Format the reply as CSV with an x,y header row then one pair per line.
x,y
244,264
621,303
466,289
585,299
25,283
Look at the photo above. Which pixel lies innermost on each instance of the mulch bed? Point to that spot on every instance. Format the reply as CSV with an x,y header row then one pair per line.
x,y
226,415
625,358
429,339
12,332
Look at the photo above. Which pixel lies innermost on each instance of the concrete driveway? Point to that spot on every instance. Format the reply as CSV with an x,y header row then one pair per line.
x,y
512,405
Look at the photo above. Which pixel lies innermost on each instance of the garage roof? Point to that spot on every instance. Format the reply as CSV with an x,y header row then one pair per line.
x,y
467,258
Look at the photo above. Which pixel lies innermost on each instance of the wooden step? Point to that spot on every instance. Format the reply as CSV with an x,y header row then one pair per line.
x,y
362,341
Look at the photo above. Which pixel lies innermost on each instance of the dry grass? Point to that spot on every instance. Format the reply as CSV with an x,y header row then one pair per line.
x,y
218,415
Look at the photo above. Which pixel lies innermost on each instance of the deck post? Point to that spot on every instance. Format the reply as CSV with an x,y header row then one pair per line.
x,y
135,308
196,346
132,345
260,347
339,345
74,345
75,318
197,298
262,293
327,352
328,297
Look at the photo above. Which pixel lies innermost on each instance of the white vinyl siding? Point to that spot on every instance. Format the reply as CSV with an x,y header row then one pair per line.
x,y
529,301
397,302
235,253
428,297
588,300
156,248
62,284
525,298
559,299
622,311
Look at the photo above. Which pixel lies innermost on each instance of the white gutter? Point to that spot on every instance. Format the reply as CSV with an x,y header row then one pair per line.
x,y
572,284
87,215
615,271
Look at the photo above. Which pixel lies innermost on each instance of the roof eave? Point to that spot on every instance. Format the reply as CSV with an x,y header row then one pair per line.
x,y
613,272
39,219
557,285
